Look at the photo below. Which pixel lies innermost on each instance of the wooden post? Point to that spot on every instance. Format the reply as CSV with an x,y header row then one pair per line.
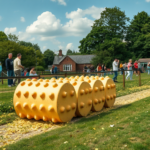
x,y
139,77
65,74
123,79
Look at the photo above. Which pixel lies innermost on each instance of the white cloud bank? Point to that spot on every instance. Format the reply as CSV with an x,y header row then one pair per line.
x,y
10,30
61,2
48,26
22,19
148,1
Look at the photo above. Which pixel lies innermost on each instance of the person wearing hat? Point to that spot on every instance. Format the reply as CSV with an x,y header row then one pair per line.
x,y
0,70
17,67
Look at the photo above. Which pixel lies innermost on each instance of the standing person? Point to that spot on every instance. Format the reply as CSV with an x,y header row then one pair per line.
x,y
85,68
121,68
27,72
0,70
9,68
136,67
92,68
148,67
130,72
54,70
99,68
115,69
17,67
105,69
140,67
88,69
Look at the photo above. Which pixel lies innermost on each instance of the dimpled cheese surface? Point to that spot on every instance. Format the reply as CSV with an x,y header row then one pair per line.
x,y
98,93
110,91
46,100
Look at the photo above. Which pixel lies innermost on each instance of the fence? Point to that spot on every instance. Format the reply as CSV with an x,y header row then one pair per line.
x,y
65,74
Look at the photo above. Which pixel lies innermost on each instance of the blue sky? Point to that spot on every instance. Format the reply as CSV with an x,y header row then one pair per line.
x,y
59,24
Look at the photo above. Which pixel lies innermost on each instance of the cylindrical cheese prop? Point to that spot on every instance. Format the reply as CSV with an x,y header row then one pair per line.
x,y
55,101
84,97
98,94
110,91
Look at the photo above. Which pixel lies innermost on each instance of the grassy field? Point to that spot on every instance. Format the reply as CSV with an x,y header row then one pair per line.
x,y
127,127
6,93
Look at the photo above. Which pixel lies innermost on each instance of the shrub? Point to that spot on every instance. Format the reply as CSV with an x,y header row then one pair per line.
x,y
6,107
39,68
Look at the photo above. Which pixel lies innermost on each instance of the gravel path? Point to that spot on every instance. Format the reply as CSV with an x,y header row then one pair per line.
x,y
23,128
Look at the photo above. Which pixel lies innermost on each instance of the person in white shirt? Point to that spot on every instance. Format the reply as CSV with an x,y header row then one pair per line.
x,y
17,67
115,69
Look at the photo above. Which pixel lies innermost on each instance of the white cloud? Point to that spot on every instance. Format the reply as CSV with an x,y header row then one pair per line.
x,y
32,39
48,26
23,36
148,1
92,11
60,47
61,2
22,19
10,30
69,46
44,47
0,18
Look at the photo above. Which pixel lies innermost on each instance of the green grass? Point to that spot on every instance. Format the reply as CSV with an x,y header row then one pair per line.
x,y
131,131
6,93
6,118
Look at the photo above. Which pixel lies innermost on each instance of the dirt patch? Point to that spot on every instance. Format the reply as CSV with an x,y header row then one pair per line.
x,y
23,128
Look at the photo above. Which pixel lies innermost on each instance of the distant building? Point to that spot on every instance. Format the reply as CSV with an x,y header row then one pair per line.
x,y
144,61
72,62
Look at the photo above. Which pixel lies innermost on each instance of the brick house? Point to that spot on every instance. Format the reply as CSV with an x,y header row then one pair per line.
x,y
72,62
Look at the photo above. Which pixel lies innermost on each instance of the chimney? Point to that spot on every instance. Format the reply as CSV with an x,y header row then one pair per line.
x,y
60,52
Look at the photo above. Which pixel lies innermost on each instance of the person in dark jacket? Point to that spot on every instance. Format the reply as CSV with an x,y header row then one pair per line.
x,y
10,69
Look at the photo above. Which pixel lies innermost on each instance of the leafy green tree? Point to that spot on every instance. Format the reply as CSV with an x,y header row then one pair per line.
x,y
3,36
48,57
109,50
137,35
28,53
112,24
12,37
69,52
29,44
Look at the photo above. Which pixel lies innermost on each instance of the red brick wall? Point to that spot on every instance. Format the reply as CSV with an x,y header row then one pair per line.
x,y
66,61
79,67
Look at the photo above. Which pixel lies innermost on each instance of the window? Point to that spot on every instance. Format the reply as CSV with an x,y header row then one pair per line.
x,y
67,67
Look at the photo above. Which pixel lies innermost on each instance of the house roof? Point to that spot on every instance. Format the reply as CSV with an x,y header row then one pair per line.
x,y
78,59
144,60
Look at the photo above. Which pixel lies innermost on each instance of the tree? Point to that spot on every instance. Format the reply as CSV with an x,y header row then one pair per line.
x,y
112,24
69,52
28,53
29,44
48,57
12,37
109,50
137,35
3,36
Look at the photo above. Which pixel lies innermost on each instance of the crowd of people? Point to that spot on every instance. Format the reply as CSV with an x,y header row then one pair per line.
x,y
129,68
15,68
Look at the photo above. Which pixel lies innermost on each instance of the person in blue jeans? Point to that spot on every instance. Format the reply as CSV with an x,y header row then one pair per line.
x,y
148,67
0,70
115,69
10,69
54,70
